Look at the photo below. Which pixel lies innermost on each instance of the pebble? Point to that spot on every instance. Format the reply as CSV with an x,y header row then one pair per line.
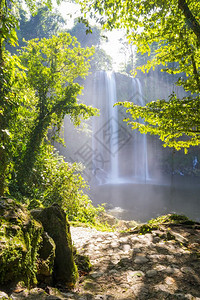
x,y
151,273
169,280
140,259
96,274
126,248
187,270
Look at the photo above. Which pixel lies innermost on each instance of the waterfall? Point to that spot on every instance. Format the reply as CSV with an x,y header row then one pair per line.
x,y
105,129
109,160
113,125
140,159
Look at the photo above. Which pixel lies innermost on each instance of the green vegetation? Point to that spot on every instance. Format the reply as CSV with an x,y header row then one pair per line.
x,y
20,237
173,26
164,220
38,88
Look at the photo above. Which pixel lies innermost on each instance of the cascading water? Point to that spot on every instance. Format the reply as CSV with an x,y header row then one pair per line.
x,y
140,160
106,140
105,129
113,125
125,169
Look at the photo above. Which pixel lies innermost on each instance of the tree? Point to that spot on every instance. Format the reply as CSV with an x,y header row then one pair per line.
x,y
52,66
89,38
8,76
174,26
43,24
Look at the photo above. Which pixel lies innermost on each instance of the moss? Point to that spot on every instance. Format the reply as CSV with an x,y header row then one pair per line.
x,y
19,242
154,224
55,224
83,263
171,219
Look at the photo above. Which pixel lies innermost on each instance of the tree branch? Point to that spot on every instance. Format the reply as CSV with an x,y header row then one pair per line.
x,y
194,25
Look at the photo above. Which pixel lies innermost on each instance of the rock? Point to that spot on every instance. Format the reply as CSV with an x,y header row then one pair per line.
x,y
187,270
4,296
126,248
96,274
140,259
137,250
46,259
181,239
83,263
169,280
55,224
19,243
151,273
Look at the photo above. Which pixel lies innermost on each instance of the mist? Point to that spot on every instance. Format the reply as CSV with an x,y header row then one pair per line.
x,y
132,173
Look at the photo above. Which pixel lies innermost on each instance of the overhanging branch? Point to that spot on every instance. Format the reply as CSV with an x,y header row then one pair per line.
x,y
194,25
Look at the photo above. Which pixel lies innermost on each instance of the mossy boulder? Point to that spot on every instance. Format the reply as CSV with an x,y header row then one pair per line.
x,y
166,220
20,237
55,224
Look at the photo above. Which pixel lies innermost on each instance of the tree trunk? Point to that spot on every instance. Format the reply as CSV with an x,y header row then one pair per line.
x,y
193,23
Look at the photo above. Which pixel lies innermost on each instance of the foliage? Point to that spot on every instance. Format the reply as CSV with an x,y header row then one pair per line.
x,y
8,98
54,180
174,27
176,122
37,90
169,219
52,67
101,60
85,38
43,24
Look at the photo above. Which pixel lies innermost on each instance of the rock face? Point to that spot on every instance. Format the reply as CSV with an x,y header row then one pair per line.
x,y
20,236
55,224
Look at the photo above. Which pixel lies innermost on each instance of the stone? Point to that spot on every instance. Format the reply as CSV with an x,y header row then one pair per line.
x,y
181,239
140,259
151,273
96,274
3,296
187,270
169,280
46,259
126,248
133,276
55,224
19,242
137,250
83,263
100,297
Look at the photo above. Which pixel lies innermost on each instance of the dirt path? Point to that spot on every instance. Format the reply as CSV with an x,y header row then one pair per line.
x,y
162,264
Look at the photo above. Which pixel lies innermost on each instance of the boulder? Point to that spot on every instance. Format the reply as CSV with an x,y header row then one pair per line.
x,y
20,236
55,224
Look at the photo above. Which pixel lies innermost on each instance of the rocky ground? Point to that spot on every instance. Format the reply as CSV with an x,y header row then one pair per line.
x,y
161,264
